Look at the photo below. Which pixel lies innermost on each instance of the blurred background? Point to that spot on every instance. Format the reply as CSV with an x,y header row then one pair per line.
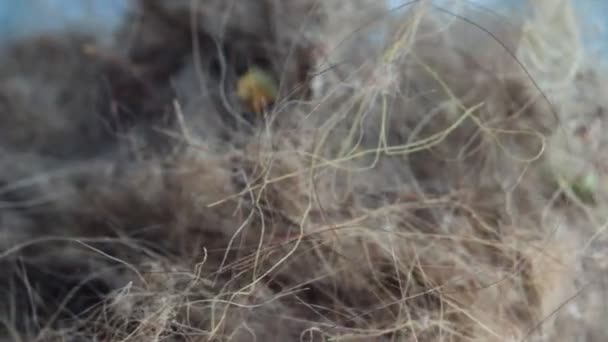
x,y
19,18
23,17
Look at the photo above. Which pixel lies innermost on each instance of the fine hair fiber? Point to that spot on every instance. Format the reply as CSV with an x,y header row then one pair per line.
x,y
420,176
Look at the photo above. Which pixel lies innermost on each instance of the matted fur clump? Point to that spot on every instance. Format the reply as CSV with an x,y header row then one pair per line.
x,y
398,189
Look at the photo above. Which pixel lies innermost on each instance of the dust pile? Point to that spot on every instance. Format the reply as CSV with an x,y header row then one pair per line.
x,y
422,175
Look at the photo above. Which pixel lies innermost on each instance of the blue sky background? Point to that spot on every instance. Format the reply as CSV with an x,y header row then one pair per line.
x,y
23,17
593,16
